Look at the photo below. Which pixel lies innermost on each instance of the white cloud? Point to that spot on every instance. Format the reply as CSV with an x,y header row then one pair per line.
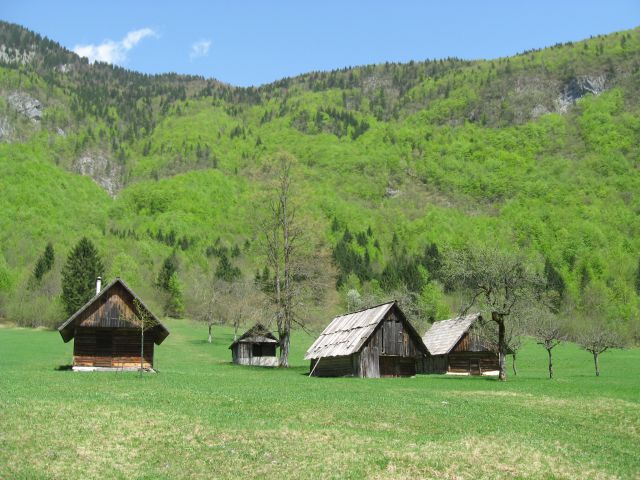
x,y
113,52
199,49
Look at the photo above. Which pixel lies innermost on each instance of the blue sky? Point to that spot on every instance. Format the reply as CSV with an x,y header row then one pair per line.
x,y
255,42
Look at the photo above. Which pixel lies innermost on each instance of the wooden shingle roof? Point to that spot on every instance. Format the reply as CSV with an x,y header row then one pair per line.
x,y
445,334
346,334
256,334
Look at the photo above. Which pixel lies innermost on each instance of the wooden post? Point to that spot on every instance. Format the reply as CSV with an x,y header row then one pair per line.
x,y
314,367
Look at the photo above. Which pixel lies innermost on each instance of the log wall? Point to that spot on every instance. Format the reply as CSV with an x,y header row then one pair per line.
x,y
111,348
333,366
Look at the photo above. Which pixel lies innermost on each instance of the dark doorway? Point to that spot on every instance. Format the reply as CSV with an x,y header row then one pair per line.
x,y
474,366
395,366
104,348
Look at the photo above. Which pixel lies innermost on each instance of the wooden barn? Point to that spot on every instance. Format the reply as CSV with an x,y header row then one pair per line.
x,y
376,342
257,346
105,333
457,348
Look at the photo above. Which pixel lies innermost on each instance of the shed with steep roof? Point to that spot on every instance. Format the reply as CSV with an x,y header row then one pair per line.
x,y
257,346
375,342
457,347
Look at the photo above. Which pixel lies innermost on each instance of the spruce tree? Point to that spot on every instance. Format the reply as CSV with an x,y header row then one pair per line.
x,y
175,303
45,262
79,275
169,267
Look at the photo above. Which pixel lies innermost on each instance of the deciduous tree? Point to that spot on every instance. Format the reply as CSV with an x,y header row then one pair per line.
x,y
500,282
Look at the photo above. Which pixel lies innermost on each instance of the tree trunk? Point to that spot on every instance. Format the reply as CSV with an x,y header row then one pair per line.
x,y
141,348
284,351
595,361
550,363
502,346
210,336
513,364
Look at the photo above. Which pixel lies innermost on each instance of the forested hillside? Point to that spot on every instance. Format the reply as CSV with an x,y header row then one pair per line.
x,y
394,165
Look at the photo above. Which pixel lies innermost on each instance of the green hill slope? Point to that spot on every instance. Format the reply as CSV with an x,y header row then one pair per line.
x,y
537,152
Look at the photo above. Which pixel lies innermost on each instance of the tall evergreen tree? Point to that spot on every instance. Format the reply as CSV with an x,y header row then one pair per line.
x,y
45,262
79,275
175,302
169,267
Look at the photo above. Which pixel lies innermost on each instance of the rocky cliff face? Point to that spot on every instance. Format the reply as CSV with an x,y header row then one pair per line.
x,y
26,105
104,171
577,88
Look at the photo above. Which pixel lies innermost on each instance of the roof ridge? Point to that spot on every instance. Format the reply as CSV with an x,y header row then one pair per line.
x,y
365,309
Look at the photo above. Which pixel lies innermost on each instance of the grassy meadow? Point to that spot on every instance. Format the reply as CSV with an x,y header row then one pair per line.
x,y
202,417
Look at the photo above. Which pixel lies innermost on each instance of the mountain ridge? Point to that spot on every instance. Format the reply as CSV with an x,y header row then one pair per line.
x,y
533,152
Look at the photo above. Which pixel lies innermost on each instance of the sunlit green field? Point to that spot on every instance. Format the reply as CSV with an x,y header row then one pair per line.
x,y
202,417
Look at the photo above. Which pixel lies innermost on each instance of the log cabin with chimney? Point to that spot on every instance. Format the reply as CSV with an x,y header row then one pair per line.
x,y
375,342
106,331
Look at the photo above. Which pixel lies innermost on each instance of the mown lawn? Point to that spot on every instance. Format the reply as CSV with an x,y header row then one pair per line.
x,y
201,417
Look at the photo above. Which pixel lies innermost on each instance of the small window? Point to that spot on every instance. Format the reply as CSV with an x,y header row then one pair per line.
x,y
256,350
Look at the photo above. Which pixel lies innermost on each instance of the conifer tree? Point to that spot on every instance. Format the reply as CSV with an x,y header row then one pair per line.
x,y
175,303
79,275
169,267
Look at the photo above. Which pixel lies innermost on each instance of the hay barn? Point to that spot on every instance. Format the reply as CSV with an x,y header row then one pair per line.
x,y
456,347
106,333
257,346
376,342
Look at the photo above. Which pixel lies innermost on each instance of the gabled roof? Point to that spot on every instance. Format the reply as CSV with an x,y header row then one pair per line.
x,y
346,334
67,330
444,335
256,334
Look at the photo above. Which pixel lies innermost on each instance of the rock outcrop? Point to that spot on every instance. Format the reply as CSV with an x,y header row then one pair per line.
x,y
104,171
26,105
577,88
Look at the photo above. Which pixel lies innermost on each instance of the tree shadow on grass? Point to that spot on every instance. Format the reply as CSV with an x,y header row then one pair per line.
x,y
63,368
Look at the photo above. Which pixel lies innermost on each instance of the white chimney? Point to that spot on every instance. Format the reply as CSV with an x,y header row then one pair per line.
x,y
98,285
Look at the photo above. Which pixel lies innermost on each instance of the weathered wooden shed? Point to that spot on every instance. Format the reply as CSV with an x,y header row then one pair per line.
x,y
376,342
106,332
257,346
456,347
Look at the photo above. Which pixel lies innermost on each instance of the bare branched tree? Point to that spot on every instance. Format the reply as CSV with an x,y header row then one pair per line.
x,y
498,282
281,234
145,321
550,331
597,338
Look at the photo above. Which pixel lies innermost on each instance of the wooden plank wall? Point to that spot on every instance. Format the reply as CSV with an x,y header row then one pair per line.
x,y
368,362
461,362
116,348
392,338
111,311
333,366
471,342
242,353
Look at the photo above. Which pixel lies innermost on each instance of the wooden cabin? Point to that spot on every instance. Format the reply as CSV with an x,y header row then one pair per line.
x,y
457,348
376,342
257,347
106,332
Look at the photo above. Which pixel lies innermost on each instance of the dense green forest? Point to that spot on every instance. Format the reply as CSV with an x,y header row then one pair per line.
x,y
395,165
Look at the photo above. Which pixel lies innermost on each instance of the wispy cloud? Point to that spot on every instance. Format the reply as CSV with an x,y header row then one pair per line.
x,y
199,49
113,52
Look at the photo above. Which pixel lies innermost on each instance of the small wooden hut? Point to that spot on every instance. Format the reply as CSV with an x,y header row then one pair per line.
x,y
106,331
376,342
457,348
257,347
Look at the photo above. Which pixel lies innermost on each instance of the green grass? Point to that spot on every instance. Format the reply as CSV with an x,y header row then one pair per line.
x,y
202,417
